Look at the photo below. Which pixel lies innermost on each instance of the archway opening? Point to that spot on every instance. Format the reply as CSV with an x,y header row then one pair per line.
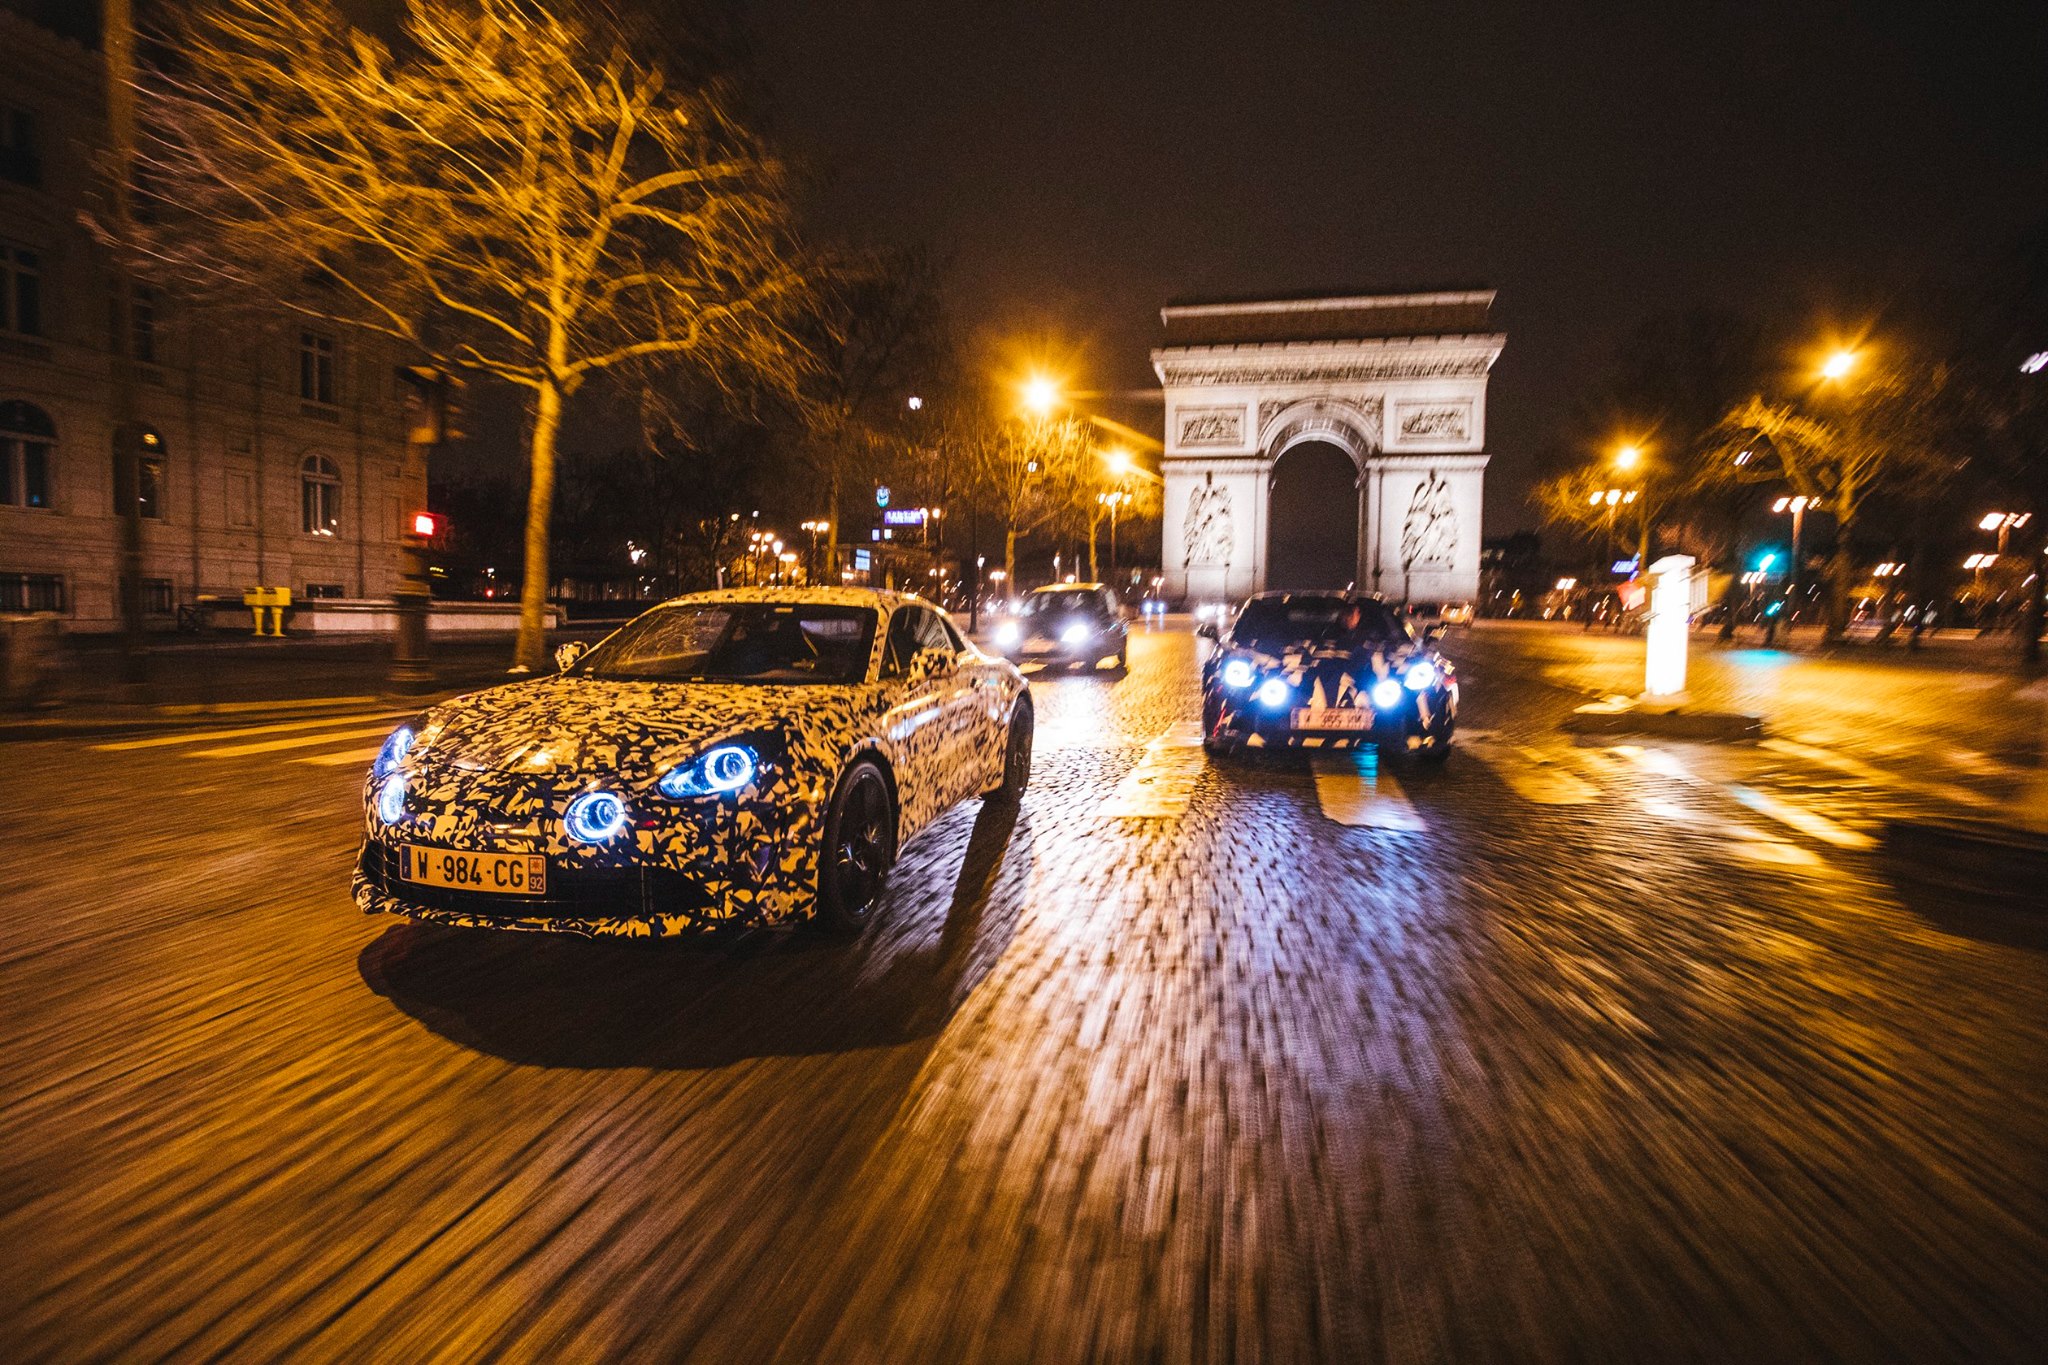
x,y
1312,526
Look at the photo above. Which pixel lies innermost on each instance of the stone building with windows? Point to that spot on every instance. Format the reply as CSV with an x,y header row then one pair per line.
x,y
273,450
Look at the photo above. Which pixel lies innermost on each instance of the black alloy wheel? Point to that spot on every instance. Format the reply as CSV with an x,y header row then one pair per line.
x,y
1016,758
860,845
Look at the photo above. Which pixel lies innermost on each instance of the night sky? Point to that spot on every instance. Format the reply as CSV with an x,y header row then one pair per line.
x,y
1080,163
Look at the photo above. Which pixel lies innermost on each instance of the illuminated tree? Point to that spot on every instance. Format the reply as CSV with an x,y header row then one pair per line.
x,y
513,189
1027,471
1875,421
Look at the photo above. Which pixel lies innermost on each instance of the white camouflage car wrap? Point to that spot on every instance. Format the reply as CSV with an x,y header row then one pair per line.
x,y
494,772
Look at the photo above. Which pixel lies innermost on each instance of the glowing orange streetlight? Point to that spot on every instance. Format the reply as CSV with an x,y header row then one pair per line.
x,y
1041,395
1838,365
1628,457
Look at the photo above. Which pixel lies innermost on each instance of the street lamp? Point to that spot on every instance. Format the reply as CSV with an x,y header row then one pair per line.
x,y
1041,395
1613,498
1628,457
1797,507
2003,522
1114,501
1838,365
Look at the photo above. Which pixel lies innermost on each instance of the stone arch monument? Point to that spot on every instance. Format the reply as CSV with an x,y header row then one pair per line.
x,y
1397,382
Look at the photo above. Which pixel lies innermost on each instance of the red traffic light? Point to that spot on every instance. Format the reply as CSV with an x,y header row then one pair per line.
x,y
425,525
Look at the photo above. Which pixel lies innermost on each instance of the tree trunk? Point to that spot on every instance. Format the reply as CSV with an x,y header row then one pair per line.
x,y
1841,578
532,650
1094,570
831,571
2036,607
1010,559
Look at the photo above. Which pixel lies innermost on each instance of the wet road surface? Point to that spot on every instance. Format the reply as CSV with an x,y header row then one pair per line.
x,y
1627,1050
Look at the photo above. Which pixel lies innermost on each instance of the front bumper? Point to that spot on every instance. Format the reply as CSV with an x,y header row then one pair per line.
x,y
1420,717
1053,651
678,868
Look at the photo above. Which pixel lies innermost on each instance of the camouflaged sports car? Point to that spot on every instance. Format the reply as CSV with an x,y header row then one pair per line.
x,y
742,758
1326,670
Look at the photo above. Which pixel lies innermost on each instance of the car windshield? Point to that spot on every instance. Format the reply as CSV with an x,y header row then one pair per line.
x,y
737,642
1270,624
1062,603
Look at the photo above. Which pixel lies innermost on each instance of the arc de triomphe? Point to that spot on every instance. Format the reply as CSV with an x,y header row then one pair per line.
x,y
1396,382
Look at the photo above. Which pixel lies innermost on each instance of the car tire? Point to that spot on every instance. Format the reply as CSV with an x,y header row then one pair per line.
x,y
1123,657
1016,758
859,848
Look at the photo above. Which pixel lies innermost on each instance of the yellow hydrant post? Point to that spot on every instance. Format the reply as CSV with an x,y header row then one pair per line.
x,y
280,598
254,599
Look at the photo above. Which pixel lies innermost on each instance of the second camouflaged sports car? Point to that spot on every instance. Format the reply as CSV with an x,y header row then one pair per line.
x,y
1326,670
743,758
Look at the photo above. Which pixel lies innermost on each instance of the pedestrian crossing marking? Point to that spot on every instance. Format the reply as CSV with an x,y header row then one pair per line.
x,y
1857,768
1356,789
1533,775
271,746
1798,817
1163,783
244,731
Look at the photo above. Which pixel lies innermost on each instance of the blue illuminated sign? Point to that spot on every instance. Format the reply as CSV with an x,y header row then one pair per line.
x,y
903,516
882,495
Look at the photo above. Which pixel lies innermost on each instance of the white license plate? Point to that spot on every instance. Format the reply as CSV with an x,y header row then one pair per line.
x,y
504,874
1331,718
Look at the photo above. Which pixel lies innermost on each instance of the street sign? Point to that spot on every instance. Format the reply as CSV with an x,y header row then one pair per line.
x,y
903,516
882,495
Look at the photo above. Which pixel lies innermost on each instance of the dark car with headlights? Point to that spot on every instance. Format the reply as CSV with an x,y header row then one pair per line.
x,y
1326,670
1066,623
746,758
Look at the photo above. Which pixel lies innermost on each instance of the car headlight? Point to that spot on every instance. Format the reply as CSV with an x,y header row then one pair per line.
x,y
391,799
1237,675
1386,694
1274,692
394,751
1076,634
594,817
1008,633
726,768
1421,676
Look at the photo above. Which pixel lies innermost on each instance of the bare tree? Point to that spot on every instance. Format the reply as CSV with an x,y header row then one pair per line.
x,y
1024,471
514,189
1877,425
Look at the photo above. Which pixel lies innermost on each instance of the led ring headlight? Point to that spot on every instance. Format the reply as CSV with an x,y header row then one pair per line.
x,y
1237,675
1421,676
394,751
391,799
594,817
1274,692
1386,694
726,768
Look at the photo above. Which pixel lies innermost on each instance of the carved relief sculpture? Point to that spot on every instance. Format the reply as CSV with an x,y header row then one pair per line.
x,y
1437,422
1211,427
1429,533
1208,532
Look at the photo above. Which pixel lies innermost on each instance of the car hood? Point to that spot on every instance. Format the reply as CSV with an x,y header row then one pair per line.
x,y
580,726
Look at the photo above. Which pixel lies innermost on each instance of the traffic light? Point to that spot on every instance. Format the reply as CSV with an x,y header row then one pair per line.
x,y
426,525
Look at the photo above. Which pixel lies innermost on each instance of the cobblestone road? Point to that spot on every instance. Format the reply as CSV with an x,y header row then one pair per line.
x,y
1625,1051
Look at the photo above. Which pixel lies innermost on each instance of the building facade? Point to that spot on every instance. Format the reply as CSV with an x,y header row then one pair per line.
x,y
273,451
1326,442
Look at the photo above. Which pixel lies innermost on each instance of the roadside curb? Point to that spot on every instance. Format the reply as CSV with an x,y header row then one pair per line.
x,y
112,722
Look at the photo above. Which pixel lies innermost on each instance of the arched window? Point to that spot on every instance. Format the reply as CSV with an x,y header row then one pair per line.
x,y
28,455
319,496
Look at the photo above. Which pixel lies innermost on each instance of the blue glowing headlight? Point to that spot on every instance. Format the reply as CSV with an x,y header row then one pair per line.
x,y
1421,676
1274,692
391,799
594,817
394,751
1237,675
1386,694
726,768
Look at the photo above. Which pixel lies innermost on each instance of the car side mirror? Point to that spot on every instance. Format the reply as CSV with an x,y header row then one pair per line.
x,y
566,655
1207,630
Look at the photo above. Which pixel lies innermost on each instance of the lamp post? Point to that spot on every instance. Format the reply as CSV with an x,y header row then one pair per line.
x,y
1797,507
1115,501
1613,498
